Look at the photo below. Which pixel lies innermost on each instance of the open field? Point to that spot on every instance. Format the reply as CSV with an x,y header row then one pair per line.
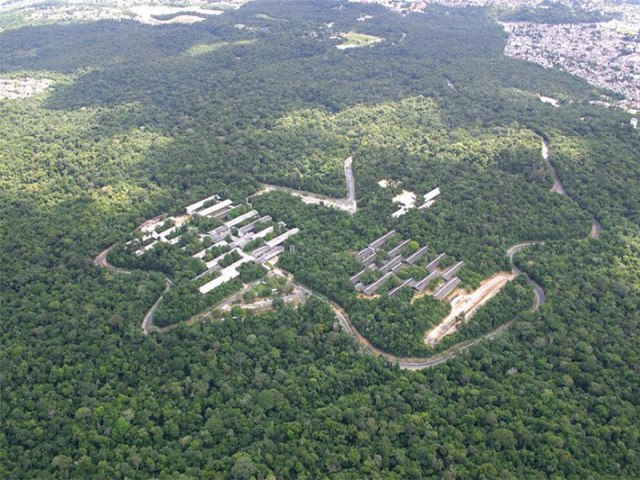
x,y
357,40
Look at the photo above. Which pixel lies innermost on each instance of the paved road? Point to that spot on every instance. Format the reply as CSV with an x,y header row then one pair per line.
x,y
347,204
557,184
558,187
147,322
409,363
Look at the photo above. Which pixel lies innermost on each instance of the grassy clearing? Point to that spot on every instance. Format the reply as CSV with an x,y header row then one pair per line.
x,y
204,48
357,40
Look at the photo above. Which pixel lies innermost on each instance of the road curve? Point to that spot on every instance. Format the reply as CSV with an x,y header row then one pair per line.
x,y
347,204
411,363
558,188
101,261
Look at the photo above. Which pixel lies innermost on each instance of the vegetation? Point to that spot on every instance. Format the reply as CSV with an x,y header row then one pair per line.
x,y
143,129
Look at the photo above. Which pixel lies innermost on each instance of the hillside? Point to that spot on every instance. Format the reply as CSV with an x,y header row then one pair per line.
x,y
119,121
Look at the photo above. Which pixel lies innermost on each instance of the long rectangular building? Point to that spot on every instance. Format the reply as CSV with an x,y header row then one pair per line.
x,y
281,238
247,228
213,210
365,253
417,255
392,264
241,218
433,264
446,289
396,290
355,278
265,257
382,240
226,274
373,288
198,205
452,270
422,284
396,250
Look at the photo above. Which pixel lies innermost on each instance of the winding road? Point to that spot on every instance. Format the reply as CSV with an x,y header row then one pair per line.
x,y
412,363
349,205
147,322
558,188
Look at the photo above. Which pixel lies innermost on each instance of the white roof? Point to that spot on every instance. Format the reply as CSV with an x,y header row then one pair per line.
x,y
226,274
196,206
214,208
281,238
241,218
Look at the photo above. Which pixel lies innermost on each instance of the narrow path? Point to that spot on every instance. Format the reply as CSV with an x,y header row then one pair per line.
x,y
101,261
347,204
558,188
147,321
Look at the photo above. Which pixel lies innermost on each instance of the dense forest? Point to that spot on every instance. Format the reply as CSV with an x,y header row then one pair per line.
x,y
143,120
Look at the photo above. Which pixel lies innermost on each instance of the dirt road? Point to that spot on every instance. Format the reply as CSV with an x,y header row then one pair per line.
x,y
465,306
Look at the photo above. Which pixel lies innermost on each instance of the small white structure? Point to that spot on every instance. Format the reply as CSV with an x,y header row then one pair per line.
x,y
430,198
634,122
150,225
408,201
144,249
549,100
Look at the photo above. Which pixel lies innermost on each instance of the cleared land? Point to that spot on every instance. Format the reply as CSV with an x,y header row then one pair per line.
x,y
465,305
357,40
17,88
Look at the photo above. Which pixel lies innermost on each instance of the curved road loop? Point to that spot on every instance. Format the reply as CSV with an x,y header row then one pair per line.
x,y
349,204
410,363
147,322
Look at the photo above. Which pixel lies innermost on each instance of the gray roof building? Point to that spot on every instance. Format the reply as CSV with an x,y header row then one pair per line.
x,y
373,288
446,289
396,250
417,255
382,240
452,270
396,290
433,264
422,284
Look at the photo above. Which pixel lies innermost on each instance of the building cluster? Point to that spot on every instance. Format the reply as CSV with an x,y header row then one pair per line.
x,y
395,259
408,199
606,54
231,237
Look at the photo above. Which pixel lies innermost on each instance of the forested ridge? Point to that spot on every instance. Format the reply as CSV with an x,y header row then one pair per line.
x,y
142,120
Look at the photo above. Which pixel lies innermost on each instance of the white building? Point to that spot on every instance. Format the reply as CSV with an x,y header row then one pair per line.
x,y
198,205
214,209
